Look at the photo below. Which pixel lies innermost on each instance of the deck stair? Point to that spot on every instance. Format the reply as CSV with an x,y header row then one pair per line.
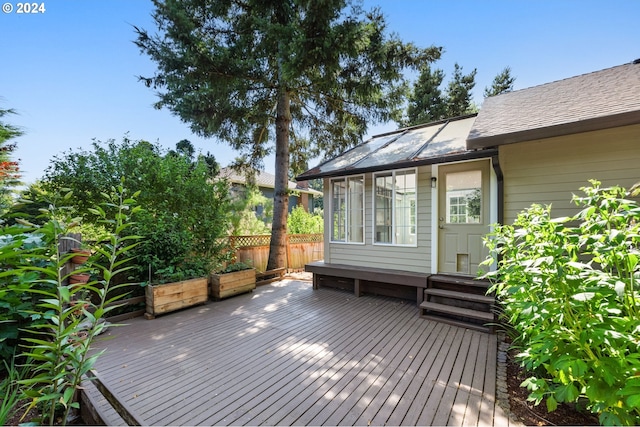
x,y
459,300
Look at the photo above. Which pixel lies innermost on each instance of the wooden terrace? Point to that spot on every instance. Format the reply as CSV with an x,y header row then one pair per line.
x,y
287,354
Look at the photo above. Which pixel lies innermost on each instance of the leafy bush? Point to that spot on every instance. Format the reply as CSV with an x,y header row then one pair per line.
x,y
61,319
10,389
252,212
235,266
185,207
570,287
302,222
17,243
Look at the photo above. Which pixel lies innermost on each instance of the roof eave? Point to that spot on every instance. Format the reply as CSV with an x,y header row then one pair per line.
x,y
467,155
588,125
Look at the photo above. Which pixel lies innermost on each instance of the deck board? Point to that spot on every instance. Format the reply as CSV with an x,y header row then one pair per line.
x,y
290,355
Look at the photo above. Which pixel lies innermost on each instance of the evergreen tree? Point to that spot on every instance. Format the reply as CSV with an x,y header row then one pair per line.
x,y
459,97
185,147
250,71
9,169
502,83
426,102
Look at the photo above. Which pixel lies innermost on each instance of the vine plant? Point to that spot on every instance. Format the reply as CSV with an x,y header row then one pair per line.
x,y
59,350
569,288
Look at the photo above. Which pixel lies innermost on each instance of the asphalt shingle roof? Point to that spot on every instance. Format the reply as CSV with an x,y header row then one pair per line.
x,y
597,100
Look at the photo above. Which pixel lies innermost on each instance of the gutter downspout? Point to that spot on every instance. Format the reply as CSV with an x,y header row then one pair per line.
x,y
495,161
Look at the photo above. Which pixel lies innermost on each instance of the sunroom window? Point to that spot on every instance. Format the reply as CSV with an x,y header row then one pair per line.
x,y
395,207
347,210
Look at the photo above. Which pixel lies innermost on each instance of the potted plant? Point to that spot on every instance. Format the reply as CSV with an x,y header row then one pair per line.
x,y
177,287
235,279
79,278
81,255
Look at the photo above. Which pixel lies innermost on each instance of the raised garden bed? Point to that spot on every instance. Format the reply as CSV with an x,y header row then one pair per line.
x,y
169,297
228,284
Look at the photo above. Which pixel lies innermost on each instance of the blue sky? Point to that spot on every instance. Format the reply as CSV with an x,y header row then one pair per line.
x,y
71,72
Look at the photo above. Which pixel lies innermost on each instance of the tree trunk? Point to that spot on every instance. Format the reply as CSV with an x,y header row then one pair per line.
x,y
278,244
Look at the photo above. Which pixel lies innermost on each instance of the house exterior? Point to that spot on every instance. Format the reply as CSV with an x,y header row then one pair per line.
x,y
421,199
553,138
301,194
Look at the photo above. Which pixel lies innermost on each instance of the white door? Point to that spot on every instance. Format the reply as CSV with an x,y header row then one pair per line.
x,y
463,216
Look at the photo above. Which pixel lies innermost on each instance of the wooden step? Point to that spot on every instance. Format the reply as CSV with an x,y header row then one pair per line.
x,y
457,311
459,280
459,295
459,323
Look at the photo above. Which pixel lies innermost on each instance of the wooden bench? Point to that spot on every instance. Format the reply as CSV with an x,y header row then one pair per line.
x,y
363,276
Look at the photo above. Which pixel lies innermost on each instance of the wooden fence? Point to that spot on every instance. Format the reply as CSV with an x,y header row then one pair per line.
x,y
301,249
252,250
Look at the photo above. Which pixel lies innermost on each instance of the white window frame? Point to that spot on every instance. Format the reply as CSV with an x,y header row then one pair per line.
x,y
393,209
347,240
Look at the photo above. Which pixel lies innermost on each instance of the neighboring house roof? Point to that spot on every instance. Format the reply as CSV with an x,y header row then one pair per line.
x,y
435,142
598,100
264,180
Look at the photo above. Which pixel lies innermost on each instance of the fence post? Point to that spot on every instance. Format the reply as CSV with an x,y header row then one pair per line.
x,y
288,251
71,240
233,248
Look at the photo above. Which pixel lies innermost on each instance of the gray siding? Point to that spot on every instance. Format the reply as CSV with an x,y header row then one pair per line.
x,y
417,259
549,171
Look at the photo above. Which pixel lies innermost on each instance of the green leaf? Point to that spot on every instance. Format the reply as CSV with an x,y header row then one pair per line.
x,y
68,395
584,296
89,363
633,401
89,316
567,393
609,419
64,293
552,404
98,313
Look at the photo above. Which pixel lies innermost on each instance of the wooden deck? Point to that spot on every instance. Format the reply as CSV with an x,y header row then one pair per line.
x,y
290,355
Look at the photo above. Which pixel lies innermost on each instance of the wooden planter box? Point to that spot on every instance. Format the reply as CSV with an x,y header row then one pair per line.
x,y
229,284
174,296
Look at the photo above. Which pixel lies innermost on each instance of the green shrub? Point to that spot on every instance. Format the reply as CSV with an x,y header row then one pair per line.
x,y
235,266
68,317
569,287
17,246
10,390
244,217
302,222
186,207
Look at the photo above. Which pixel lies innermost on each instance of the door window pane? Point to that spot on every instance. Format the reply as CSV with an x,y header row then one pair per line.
x,y
464,197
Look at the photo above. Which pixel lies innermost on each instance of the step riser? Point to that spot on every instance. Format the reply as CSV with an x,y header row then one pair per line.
x,y
457,311
457,288
477,306
460,323
458,300
458,281
433,292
